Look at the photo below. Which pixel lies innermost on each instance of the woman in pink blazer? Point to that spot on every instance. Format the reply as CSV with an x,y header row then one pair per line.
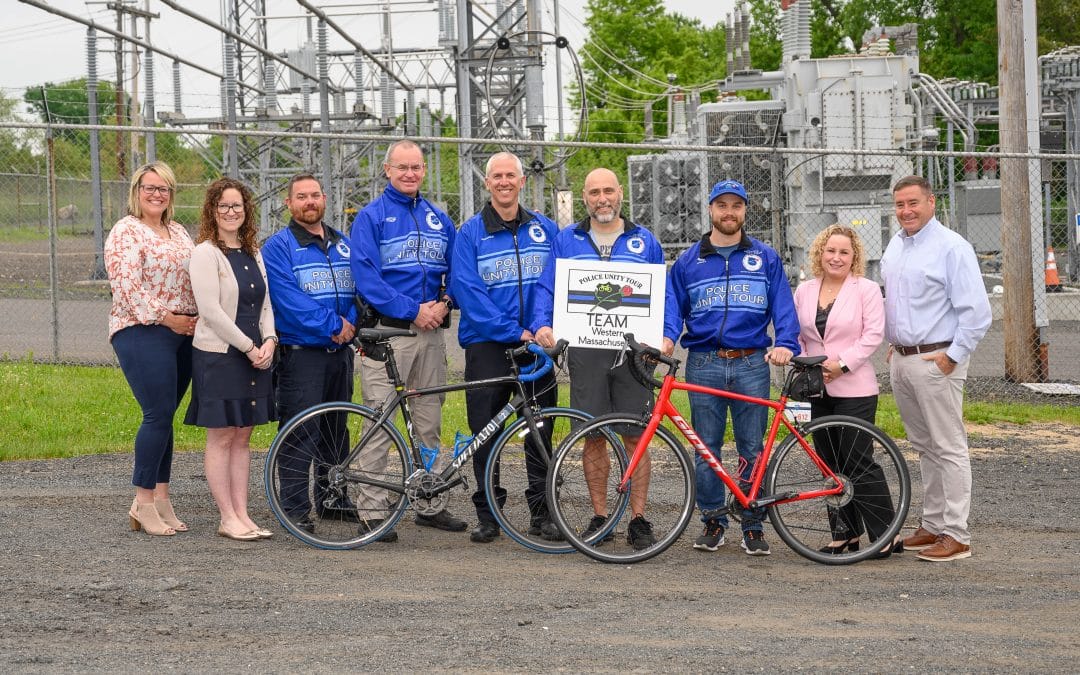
x,y
841,315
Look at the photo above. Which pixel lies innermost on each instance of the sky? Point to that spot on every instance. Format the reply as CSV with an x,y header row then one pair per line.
x,y
38,47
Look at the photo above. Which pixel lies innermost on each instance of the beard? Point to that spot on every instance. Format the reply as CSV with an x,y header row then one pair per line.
x,y
728,227
605,218
310,216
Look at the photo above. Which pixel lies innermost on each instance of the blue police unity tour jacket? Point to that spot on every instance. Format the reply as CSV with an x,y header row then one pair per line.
x,y
496,270
311,287
728,303
401,253
634,245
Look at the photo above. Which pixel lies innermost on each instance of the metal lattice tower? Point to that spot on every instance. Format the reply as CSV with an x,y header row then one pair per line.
x,y
492,63
240,16
499,90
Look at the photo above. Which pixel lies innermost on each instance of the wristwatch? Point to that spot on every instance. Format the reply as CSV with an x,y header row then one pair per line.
x,y
448,302
843,366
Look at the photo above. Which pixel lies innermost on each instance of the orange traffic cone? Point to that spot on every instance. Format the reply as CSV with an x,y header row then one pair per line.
x,y
1053,283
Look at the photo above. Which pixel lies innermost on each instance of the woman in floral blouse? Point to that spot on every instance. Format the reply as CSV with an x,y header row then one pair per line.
x,y
151,325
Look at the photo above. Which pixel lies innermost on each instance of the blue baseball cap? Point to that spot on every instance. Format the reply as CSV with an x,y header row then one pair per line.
x,y
728,187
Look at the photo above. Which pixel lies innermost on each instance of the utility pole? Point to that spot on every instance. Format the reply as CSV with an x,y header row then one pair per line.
x,y
121,157
136,120
1021,335
121,8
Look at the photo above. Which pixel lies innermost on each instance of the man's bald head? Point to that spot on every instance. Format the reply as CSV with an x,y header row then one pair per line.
x,y
603,196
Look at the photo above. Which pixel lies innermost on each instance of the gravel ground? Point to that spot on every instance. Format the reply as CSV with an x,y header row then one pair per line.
x,y
82,593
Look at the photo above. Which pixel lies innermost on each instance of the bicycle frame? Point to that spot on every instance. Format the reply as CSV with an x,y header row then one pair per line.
x,y
398,400
664,409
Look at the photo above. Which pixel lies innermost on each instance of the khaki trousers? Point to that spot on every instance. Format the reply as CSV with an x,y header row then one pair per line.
x,y
421,362
931,408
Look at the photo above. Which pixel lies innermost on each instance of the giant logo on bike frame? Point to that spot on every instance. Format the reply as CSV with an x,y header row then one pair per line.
x,y
597,302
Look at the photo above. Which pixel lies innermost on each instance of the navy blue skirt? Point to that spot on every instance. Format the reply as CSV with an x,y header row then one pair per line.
x,y
226,391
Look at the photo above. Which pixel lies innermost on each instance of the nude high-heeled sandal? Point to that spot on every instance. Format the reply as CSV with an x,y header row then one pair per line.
x,y
168,516
145,517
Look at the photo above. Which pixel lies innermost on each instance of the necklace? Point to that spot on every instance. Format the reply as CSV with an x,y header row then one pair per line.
x,y
827,295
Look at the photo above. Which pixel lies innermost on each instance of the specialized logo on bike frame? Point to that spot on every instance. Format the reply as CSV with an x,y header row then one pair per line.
x,y
620,293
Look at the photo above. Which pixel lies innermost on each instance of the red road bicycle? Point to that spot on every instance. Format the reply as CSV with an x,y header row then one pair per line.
x,y
833,476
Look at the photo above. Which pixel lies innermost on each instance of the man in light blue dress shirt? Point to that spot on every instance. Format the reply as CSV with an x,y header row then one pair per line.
x,y
936,311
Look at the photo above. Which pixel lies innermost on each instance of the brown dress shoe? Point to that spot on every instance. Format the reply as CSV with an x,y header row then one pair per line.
x,y
946,548
919,540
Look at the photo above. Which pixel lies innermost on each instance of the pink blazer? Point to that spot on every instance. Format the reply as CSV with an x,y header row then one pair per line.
x,y
853,332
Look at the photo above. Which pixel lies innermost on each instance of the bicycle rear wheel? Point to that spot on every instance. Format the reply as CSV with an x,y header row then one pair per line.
x,y
518,506
875,500
584,482
319,500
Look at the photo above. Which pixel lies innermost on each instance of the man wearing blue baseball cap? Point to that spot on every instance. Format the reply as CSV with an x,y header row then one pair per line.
x,y
726,289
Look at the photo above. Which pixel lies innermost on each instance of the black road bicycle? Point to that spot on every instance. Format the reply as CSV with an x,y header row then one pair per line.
x,y
341,453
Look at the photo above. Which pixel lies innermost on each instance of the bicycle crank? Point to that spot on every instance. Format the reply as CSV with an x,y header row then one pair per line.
x,y
427,493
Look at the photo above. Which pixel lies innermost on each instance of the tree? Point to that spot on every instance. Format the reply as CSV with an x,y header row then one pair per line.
x,y
68,103
957,38
633,46
15,154
1059,24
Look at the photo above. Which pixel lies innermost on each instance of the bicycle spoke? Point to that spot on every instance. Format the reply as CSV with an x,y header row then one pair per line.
x,y
320,500
872,507
516,475
585,484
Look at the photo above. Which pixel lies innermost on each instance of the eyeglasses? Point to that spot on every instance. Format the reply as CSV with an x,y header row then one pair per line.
x,y
225,208
155,190
405,168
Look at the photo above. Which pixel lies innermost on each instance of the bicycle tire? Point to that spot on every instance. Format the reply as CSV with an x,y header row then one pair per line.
x,y
297,488
669,502
506,478
808,525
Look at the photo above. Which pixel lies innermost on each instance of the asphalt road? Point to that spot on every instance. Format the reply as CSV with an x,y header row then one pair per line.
x,y
81,593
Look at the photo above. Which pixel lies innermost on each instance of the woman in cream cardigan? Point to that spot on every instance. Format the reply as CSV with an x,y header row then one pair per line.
x,y
233,349
842,315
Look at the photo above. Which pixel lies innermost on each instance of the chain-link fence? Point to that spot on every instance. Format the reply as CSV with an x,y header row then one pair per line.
x,y
55,302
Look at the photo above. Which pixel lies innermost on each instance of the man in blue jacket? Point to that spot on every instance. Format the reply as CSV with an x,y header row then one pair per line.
x,y
401,247
498,257
311,290
600,379
727,289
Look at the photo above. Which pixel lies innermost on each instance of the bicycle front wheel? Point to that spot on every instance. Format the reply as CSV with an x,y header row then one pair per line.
x,y
583,487
317,497
872,507
516,476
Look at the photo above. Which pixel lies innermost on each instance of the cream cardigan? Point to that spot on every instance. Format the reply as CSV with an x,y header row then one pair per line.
x,y
216,295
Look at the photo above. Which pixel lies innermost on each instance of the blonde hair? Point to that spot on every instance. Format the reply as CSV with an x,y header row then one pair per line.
x,y
164,173
858,255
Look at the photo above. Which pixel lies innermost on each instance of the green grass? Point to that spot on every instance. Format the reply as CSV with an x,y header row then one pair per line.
x,y
53,411
23,233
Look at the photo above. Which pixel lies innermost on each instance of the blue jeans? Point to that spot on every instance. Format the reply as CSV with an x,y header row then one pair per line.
x,y
747,375
157,365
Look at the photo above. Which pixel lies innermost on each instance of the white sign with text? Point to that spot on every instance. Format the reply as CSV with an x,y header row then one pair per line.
x,y
596,302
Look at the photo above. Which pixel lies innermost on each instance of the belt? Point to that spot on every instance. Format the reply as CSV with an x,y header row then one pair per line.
x,y
390,322
305,348
734,353
920,349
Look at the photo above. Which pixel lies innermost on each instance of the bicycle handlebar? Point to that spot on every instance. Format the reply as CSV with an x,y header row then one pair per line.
x,y
545,359
638,368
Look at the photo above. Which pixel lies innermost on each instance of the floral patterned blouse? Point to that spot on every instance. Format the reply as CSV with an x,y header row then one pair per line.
x,y
148,274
